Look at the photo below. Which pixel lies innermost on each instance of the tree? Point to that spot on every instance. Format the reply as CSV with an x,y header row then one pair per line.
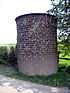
x,y
61,9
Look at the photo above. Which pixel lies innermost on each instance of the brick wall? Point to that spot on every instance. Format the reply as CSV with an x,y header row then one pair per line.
x,y
36,44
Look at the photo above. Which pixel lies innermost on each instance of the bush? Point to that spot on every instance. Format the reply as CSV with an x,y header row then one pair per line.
x,y
12,59
2,61
4,53
68,69
8,55
61,67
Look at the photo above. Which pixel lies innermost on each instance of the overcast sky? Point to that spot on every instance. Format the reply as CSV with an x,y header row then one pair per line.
x,y
10,9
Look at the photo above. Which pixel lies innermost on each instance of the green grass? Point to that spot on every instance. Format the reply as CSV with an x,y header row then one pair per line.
x,y
64,62
7,44
60,79
64,50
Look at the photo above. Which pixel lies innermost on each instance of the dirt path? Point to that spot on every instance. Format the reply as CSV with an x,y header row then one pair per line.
x,y
8,85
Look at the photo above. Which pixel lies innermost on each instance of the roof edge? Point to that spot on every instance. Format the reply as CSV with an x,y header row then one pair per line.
x,y
34,14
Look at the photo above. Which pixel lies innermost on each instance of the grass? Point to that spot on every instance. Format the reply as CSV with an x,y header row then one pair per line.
x,y
60,79
7,45
64,62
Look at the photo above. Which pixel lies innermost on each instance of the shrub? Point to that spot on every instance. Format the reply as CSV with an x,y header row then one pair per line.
x,y
68,69
4,53
61,67
12,59
8,55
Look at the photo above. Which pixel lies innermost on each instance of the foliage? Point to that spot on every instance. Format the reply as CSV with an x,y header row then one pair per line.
x,y
64,49
12,59
8,55
2,61
4,52
64,65
59,9
60,79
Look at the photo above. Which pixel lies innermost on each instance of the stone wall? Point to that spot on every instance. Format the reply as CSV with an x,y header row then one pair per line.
x,y
36,44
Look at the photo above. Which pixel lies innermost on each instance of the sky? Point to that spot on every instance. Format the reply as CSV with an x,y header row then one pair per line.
x,y
10,9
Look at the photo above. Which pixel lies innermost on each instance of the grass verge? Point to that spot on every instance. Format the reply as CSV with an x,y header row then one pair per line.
x,y
60,79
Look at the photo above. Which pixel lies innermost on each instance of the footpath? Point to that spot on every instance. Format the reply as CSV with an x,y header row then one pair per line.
x,y
9,85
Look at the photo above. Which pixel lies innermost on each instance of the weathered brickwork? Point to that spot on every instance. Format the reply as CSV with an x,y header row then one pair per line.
x,y
36,44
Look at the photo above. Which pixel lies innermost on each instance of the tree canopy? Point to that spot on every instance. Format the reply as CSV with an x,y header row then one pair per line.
x,y
61,9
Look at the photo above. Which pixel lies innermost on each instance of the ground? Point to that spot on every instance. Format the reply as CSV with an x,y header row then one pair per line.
x,y
9,85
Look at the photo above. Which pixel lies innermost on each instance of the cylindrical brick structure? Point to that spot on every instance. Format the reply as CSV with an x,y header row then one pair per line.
x,y
37,44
